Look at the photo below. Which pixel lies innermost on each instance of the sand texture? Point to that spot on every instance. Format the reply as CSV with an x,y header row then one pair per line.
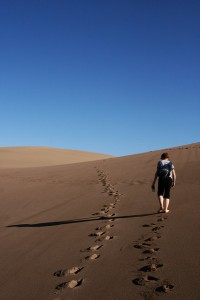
x,y
91,231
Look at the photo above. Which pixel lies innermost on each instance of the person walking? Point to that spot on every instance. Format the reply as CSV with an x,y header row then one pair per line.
x,y
166,175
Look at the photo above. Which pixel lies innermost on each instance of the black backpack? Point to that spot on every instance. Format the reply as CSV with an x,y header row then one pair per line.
x,y
164,170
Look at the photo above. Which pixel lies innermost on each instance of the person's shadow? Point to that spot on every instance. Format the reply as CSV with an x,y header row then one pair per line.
x,y
58,223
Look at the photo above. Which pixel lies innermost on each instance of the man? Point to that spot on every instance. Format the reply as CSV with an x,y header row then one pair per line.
x,y
166,179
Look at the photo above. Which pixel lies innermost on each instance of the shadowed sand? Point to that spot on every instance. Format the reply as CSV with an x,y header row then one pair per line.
x,y
90,230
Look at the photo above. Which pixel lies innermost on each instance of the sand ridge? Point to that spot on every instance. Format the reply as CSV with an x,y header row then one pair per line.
x,y
24,157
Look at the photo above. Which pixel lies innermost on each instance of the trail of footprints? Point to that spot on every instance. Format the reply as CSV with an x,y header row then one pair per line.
x,y
149,251
101,234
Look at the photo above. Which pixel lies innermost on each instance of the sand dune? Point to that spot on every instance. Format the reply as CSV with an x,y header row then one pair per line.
x,y
90,230
23,157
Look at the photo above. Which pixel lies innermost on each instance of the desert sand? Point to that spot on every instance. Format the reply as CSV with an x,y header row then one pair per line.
x,y
23,157
90,230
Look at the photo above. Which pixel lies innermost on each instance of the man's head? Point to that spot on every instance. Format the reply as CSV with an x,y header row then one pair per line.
x,y
165,156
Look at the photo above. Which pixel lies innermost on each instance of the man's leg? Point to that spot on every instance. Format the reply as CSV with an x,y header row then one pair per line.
x,y
166,205
161,201
167,194
160,195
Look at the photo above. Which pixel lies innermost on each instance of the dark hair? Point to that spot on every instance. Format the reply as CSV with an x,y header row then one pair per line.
x,y
165,155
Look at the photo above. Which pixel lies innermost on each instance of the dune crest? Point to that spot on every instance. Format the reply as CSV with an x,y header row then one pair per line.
x,y
23,157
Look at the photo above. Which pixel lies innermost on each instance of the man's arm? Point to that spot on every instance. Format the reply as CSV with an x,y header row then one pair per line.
x,y
174,177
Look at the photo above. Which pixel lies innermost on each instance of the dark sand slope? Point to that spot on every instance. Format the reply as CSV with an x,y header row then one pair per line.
x,y
90,231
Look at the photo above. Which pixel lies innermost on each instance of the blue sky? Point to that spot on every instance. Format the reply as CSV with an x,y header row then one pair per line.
x,y
116,76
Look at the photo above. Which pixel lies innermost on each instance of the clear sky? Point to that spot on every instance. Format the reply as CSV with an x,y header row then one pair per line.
x,y
109,76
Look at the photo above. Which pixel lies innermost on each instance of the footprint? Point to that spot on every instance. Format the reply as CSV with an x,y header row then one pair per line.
x,y
157,228
74,270
109,237
151,267
138,246
153,238
74,283
98,233
71,284
150,251
144,280
59,273
110,215
99,228
165,288
142,246
104,210
95,247
104,227
161,219
61,286
149,225
146,244
148,258
109,226
111,207
115,194
93,256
